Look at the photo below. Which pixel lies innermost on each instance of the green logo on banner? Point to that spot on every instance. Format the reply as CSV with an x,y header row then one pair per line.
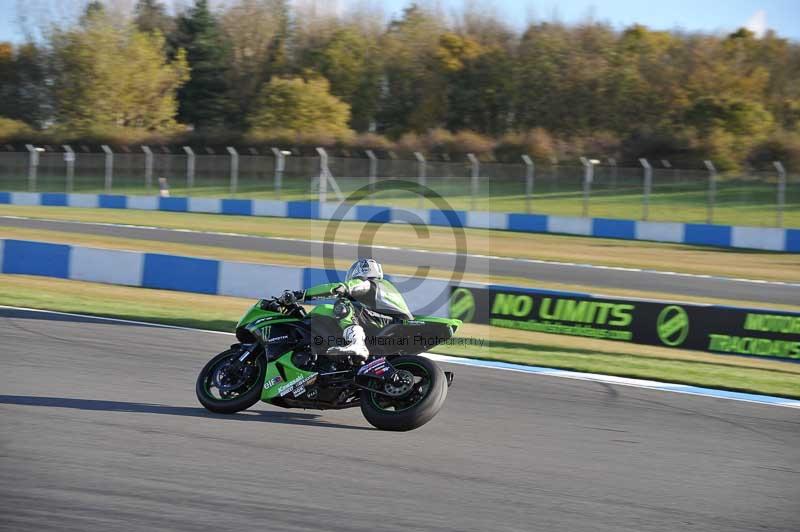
x,y
462,304
672,325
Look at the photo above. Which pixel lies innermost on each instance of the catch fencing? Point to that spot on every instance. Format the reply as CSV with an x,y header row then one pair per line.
x,y
649,191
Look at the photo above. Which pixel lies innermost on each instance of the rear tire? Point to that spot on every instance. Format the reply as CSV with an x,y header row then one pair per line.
x,y
374,406
240,402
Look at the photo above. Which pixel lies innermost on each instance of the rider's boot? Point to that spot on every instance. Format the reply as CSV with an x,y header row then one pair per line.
x,y
356,346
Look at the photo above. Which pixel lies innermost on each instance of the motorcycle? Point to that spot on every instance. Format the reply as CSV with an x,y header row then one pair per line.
x,y
280,359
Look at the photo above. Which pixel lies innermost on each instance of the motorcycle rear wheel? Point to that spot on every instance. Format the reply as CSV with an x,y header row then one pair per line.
x,y
414,409
238,399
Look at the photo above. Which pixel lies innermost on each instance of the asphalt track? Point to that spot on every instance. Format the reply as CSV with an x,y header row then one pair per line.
x,y
100,430
576,274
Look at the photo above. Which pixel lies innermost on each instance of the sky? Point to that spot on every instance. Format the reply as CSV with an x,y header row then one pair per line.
x,y
712,16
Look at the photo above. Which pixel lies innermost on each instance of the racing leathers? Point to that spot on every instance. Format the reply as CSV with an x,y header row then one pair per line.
x,y
371,304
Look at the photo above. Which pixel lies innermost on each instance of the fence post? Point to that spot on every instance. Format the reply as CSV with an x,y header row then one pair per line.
x,y
421,176
373,169
148,168
529,175
189,167
234,168
109,173
588,177
474,185
648,187
280,165
33,164
324,171
712,190
69,158
781,192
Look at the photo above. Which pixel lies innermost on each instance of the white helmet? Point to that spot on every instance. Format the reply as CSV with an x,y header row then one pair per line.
x,y
365,269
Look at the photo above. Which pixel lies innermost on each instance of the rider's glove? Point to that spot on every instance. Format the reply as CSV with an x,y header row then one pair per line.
x,y
269,304
287,298
339,290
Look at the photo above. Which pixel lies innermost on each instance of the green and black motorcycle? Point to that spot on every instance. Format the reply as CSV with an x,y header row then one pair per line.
x,y
280,359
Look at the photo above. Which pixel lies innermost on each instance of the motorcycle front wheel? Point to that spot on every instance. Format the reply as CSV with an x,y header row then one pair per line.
x,y
225,386
414,402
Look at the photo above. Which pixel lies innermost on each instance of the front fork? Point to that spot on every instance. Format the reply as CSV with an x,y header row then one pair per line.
x,y
247,351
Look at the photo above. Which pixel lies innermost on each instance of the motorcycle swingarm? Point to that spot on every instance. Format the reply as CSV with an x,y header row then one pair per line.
x,y
447,374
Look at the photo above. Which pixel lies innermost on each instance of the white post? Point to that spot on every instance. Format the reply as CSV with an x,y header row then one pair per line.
x,y
324,172
421,176
588,177
529,175
189,167
69,159
280,165
712,190
648,187
234,168
148,168
474,184
109,175
373,169
33,165
781,191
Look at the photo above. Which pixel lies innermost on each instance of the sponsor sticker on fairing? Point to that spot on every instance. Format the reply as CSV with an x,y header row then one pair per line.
x,y
297,383
272,382
376,367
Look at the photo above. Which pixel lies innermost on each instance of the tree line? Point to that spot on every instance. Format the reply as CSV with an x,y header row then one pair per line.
x,y
261,71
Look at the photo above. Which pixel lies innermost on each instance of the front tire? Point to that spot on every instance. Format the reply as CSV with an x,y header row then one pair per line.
x,y
413,410
230,398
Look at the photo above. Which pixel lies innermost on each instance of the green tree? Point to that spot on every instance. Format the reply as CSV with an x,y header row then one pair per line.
x,y
203,100
151,15
350,60
739,117
300,107
728,128
256,32
107,77
413,95
479,84
23,88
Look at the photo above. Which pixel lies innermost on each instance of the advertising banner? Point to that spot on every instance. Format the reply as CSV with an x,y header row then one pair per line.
x,y
717,329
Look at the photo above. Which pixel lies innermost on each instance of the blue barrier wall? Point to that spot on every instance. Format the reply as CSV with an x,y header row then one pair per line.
x,y
765,238
188,274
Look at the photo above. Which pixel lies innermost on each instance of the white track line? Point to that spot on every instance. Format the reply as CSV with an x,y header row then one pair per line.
x,y
454,254
506,366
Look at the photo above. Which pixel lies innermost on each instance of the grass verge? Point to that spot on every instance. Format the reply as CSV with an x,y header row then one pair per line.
x,y
599,251
597,356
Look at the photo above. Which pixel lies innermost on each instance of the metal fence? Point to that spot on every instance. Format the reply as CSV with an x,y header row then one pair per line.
x,y
653,190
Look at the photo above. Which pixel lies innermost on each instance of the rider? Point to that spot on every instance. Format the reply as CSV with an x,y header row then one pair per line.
x,y
375,303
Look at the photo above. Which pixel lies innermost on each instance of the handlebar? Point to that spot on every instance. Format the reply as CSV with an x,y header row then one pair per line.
x,y
285,303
